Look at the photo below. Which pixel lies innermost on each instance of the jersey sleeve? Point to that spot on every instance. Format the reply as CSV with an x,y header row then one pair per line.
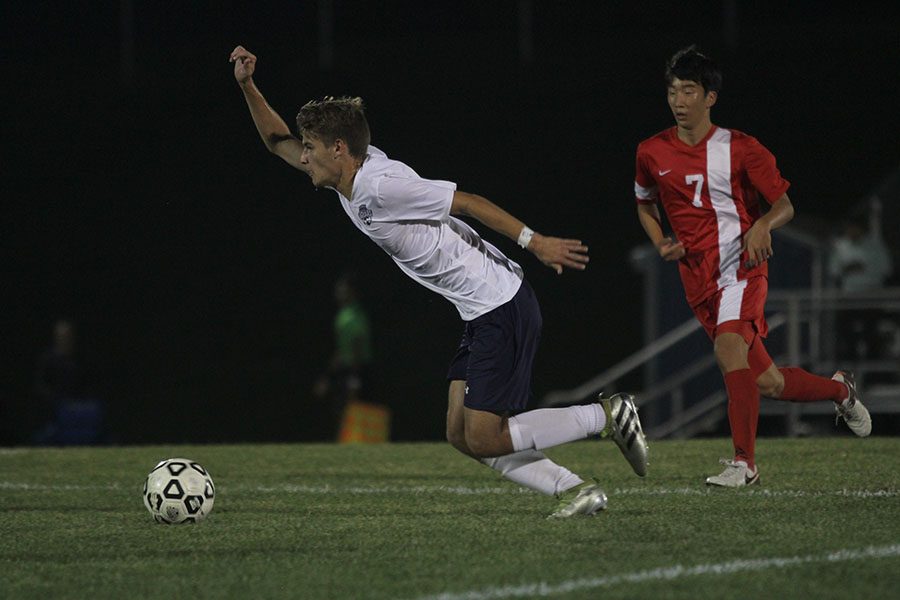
x,y
645,188
763,172
415,199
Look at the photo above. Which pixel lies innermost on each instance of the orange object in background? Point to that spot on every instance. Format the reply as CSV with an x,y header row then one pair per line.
x,y
365,423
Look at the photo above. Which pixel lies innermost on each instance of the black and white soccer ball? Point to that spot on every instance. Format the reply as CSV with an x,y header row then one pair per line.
x,y
179,490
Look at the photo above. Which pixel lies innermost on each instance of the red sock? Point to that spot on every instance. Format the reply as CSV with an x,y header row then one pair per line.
x,y
803,386
743,413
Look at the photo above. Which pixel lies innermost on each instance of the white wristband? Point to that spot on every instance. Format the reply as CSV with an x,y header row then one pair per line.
x,y
525,237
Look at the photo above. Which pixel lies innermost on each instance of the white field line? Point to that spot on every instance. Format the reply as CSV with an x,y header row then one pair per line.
x,y
55,487
461,490
669,573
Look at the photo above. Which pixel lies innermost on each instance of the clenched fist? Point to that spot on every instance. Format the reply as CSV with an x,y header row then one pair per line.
x,y
244,64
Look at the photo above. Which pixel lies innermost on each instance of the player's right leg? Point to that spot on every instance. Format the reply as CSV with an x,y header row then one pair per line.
x,y
585,499
456,423
731,349
736,474
732,338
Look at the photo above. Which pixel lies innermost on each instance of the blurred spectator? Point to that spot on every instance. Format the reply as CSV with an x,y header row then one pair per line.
x,y
860,262
346,383
859,259
68,414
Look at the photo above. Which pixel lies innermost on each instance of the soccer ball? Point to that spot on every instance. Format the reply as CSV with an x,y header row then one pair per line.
x,y
179,490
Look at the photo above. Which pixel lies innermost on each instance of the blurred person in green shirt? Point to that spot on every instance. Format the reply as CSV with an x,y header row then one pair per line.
x,y
347,377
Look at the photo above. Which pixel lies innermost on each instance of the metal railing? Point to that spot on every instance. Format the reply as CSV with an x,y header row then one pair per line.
x,y
805,315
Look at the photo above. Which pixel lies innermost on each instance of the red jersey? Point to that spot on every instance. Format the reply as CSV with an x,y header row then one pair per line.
x,y
710,194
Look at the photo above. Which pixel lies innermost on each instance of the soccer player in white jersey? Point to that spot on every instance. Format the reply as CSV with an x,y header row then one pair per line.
x,y
709,181
412,220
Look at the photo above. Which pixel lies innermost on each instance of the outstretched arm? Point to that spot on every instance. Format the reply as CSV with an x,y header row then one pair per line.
x,y
648,215
272,129
554,252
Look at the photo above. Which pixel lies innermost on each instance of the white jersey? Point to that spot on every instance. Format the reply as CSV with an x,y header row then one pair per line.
x,y
409,218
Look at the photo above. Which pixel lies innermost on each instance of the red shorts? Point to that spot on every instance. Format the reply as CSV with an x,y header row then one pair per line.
x,y
733,308
740,309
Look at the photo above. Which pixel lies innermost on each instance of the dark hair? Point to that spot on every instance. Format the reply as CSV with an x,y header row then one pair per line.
x,y
688,64
331,118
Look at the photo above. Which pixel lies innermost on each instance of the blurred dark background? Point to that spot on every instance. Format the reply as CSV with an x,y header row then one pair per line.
x,y
139,202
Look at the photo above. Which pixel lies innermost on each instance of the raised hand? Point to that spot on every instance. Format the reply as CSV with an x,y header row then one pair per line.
x,y
244,64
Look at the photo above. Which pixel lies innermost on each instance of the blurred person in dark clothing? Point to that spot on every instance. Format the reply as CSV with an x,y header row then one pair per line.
x,y
68,415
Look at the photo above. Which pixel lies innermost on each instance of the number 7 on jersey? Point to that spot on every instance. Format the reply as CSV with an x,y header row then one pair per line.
x,y
698,180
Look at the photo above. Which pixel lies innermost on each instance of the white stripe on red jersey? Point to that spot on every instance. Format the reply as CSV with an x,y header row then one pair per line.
x,y
709,192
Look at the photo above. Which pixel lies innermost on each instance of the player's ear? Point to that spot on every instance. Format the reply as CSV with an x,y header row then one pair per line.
x,y
338,149
711,98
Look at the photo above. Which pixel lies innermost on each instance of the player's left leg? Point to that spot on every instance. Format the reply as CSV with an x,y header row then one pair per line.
x,y
852,410
800,385
793,384
769,379
513,446
489,434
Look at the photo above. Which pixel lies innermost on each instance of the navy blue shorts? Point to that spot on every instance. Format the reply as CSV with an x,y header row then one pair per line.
x,y
496,355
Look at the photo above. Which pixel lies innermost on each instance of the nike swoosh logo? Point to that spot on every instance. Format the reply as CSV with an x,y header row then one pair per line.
x,y
664,173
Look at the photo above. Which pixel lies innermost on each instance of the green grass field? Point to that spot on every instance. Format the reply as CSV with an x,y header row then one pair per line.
x,y
420,521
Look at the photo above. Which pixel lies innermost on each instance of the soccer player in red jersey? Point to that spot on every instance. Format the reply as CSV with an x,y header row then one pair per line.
x,y
709,181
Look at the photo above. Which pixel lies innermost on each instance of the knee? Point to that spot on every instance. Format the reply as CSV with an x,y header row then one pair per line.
x,y
483,447
770,385
456,434
457,438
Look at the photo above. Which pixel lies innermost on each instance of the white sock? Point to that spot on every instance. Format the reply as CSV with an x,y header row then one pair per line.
x,y
548,427
535,471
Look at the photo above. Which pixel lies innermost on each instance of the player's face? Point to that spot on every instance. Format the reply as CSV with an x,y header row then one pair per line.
x,y
690,103
319,162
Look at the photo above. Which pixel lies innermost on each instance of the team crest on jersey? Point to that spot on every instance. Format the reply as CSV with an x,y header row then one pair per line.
x,y
365,215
